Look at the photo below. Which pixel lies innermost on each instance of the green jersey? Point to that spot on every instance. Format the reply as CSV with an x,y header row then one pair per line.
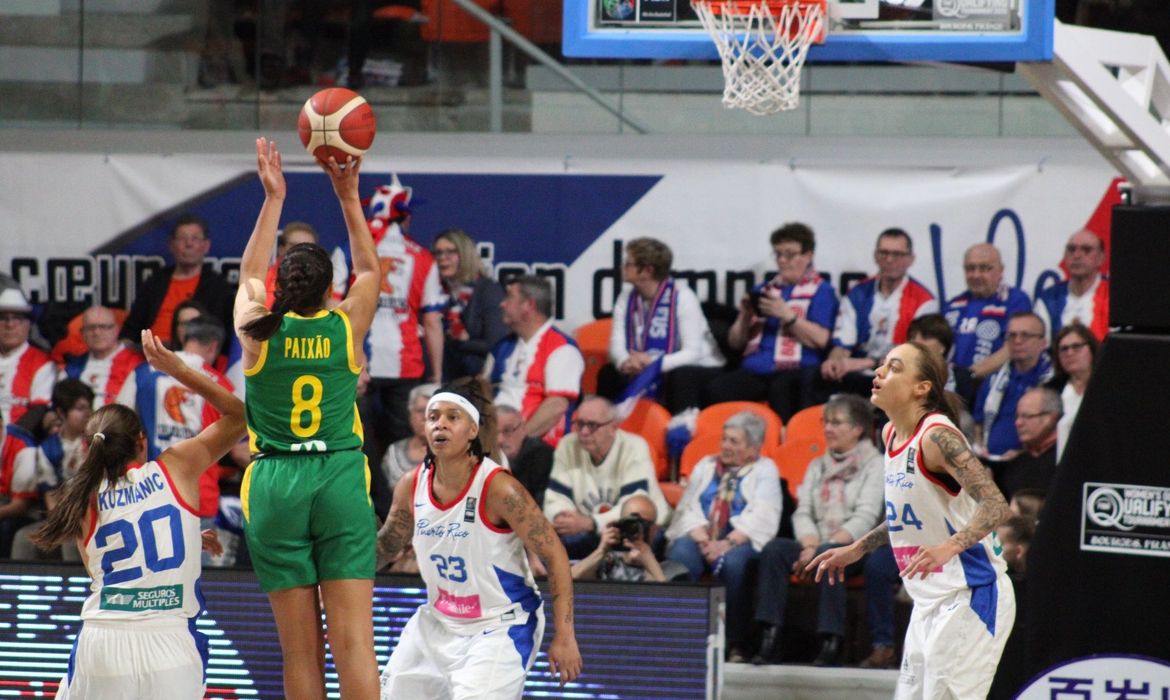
x,y
301,394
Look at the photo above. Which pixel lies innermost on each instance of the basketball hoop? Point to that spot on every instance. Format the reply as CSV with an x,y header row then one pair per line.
x,y
763,45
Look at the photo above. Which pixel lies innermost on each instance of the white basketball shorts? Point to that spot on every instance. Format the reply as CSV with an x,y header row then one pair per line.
x,y
950,653
136,659
432,662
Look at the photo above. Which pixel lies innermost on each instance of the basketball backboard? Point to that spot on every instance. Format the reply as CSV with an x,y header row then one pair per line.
x,y
896,31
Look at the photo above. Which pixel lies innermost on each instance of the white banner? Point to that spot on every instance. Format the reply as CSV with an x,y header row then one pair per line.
x,y
103,218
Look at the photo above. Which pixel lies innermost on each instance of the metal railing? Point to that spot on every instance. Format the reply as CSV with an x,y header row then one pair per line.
x,y
496,62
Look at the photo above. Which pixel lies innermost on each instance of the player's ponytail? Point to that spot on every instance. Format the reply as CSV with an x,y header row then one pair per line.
x,y
302,280
113,433
933,368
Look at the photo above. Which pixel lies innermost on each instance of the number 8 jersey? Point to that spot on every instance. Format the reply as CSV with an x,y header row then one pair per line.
x,y
923,509
143,549
301,391
477,574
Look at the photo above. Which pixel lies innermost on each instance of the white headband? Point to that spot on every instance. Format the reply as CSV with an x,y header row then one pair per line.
x,y
458,401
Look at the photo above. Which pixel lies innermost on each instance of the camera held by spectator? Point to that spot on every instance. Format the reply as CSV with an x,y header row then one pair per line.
x,y
625,552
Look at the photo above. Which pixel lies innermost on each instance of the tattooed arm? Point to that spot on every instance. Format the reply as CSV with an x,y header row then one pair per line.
x,y
832,562
947,451
508,503
398,529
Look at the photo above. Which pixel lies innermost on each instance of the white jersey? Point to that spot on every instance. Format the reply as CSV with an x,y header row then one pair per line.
x,y
477,574
923,509
143,550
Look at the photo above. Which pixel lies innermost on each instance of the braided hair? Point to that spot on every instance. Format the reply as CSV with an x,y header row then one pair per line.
x,y
303,277
484,443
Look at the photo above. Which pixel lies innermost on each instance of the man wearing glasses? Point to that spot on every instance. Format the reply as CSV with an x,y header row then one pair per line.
x,y
155,299
1033,467
595,470
875,315
1028,366
26,372
979,317
108,363
1084,296
783,328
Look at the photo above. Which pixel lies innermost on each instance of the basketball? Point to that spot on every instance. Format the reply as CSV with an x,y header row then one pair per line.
x,y
336,122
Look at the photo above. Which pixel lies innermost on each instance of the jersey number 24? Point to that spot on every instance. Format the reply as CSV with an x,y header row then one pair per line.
x,y
908,519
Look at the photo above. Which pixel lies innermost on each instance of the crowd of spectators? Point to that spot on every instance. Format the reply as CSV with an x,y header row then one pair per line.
x,y
1021,367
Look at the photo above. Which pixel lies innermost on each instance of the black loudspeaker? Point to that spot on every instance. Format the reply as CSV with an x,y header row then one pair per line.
x,y
1139,297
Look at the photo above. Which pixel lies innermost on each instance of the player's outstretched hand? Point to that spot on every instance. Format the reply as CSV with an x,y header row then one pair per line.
x,y
159,356
832,563
564,659
928,560
343,175
269,168
211,543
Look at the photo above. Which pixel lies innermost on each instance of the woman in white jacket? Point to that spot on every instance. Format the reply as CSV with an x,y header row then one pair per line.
x,y
730,510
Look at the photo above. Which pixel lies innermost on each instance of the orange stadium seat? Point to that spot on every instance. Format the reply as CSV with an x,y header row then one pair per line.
x,y
806,425
792,459
699,447
593,340
649,419
712,418
672,491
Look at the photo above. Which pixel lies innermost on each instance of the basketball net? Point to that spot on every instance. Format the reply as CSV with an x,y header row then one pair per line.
x,y
763,45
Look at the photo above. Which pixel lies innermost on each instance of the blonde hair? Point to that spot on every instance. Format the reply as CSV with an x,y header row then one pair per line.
x,y
471,265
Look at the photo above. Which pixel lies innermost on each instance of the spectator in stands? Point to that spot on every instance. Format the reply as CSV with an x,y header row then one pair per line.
x,y
840,499
655,316
979,318
411,294
18,474
1016,536
595,470
295,233
783,329
1028,503
171,413
1013,671
472,321
156,298
537,368
625,552
1084,296
1074,352
406,454
876,315
729,511
108,361
529,458
995,408
1034,465
56,460
882,578
26,372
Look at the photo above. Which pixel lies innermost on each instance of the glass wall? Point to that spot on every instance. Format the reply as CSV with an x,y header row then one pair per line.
x,y
425,66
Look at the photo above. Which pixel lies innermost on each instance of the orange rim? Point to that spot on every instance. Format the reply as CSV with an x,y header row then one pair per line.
x,y
743,7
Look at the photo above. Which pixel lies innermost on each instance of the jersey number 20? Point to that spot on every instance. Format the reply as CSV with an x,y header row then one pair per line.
x,y
131,535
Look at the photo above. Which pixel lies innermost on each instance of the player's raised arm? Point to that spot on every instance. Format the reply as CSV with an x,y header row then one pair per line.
x,y
250,297
193,455
508,499
362,299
